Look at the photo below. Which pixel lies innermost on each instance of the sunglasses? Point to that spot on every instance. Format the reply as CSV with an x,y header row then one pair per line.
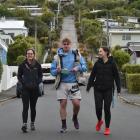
x,y
65,44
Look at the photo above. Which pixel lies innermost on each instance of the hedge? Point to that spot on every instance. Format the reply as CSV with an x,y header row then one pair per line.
x,y
133,83
121,57
131,68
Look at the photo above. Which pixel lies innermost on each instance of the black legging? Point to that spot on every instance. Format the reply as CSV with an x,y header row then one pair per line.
x,y
106,97
29,97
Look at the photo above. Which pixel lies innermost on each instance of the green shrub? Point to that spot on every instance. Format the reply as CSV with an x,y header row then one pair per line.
x,y
133,83
20,59
90,65
121,58
49,59
1,69
131,68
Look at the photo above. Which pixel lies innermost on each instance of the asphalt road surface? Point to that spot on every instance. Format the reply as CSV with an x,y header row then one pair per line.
x,y
125,124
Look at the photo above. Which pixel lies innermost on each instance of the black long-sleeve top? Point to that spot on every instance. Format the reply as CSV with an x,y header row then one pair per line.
x,y
30,74
103,75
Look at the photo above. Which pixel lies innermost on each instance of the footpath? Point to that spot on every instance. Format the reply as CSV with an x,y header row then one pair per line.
x,y
8,94
133,99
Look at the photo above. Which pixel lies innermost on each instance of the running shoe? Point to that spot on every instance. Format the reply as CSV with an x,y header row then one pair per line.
x,y
107,131
98,125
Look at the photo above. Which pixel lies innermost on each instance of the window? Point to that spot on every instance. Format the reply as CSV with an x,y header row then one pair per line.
x,y
45,70
7,41
126,37
11,34
138,54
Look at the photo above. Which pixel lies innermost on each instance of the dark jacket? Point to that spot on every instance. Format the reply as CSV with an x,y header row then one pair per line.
x,y
103,75
30,75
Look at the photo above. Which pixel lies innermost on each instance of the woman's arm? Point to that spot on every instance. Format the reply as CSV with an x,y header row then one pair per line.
x,y
91,78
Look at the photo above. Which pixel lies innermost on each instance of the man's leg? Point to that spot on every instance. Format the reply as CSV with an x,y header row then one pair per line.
x,y
63,113
76,109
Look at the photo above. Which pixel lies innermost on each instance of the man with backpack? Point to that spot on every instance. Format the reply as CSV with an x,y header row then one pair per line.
x,y
66,66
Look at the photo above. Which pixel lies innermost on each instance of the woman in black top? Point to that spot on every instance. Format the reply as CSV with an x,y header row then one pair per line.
x,y
102,79
30,76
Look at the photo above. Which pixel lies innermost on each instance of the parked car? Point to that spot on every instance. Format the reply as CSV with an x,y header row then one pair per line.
x,y
47,77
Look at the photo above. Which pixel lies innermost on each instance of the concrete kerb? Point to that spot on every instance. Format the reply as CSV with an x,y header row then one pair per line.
x,y
129,102
8,98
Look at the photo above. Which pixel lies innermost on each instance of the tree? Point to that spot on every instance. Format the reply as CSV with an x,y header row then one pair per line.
x,y
20,59
93,44
105,4
19,48
47,17
90,28
79,5
121,57
52,5
4,12
21,13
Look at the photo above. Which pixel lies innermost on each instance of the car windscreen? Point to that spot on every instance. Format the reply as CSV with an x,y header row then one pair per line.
x,y
45,70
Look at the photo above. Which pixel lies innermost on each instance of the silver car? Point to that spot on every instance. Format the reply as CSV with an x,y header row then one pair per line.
x,y
47,77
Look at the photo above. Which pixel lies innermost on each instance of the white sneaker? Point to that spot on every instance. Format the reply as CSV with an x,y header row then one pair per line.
x,y
63,130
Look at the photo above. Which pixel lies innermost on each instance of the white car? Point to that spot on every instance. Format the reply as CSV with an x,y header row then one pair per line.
x,y
47,77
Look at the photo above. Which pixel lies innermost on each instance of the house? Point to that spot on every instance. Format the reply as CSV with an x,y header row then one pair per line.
x,y
95,11
3,51
133,21
6,38
66,2
34,10
122,37
134,51
129,19
111,22
13,27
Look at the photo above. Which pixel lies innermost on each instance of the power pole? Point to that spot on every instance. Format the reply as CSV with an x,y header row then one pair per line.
x,y
54,22
35,38
107,29
58,11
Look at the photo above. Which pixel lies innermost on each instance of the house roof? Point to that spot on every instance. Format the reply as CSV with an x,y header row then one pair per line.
x,y
134,48
12,24
125,31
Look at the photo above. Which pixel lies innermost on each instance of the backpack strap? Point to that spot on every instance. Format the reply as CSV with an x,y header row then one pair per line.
x,y
61,63
59,60
76,55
